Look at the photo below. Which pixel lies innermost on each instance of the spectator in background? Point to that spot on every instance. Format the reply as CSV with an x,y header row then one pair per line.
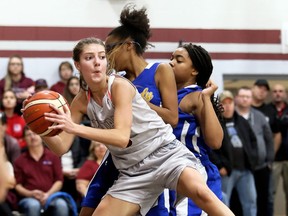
x,y
4,180
237,156
38,175
16,81
15,123
7,142
75,157
280,165
90,166
11,151
65,72
7,181
40,85
261,128
71,162
72,88
260,91
5,208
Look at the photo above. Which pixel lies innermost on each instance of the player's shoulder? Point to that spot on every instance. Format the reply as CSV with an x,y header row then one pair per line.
x,y
164,72
81,100
163,66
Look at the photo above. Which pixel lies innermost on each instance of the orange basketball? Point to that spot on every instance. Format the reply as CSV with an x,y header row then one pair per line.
x,y
37,105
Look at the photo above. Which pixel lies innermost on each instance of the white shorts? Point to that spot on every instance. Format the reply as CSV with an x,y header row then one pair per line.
x,y
144,182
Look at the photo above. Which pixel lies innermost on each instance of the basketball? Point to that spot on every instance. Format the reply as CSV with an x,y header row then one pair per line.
x,y
37,105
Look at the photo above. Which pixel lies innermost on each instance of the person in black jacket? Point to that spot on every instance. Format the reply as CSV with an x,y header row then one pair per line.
x,y
237,156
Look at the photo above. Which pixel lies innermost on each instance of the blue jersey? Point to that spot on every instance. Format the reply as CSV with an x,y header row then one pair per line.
x,y
146,85
188,129
189,133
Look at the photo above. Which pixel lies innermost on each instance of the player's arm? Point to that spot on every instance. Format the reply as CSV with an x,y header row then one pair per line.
x,y
166,84
208,120
122,94
61,143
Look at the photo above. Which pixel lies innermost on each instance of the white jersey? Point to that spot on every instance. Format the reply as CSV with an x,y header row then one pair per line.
x,y
148,131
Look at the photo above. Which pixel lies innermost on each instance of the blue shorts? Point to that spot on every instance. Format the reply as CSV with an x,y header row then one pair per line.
x,y
102,180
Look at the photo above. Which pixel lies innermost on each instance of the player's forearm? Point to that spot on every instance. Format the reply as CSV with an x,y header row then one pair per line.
x,y
210,125
59,144
117,137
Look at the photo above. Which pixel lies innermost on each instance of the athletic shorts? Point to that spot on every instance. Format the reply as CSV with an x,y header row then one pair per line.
x,y
187,206
144,182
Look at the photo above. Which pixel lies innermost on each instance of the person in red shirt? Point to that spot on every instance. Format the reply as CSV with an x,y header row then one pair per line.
x,y
65,72
16,81
15,123
38,175
97,151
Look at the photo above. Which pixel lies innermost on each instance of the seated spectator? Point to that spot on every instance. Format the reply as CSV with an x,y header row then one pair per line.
x,y
9,181
72,88
40,85
90,166
74,158
7,142
16,80
71,161
15,122
4,182
65,72
39,175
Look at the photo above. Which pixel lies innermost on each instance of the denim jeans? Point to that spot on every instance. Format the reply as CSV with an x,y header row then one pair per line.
x,y
32,207
244,183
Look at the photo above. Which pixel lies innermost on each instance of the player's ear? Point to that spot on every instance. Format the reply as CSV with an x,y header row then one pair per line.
x,y
77,65
130,45
194,72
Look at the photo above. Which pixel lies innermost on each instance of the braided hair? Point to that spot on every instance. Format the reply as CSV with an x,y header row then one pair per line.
x,y
203,64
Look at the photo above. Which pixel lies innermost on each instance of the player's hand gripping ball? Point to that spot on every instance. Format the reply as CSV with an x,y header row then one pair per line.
x,y
37,105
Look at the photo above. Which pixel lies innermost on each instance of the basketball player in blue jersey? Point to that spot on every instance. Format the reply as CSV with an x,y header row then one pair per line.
x,y
198,127
155,82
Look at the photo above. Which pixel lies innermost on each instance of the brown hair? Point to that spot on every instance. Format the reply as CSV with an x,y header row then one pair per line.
x,y
67,93
8,79
78,49
92,155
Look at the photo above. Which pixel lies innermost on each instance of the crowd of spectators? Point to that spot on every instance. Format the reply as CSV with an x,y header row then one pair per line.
x,y
253,156
254,151
25,153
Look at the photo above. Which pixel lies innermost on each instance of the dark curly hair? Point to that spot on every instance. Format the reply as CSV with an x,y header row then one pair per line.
x,y
134,25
